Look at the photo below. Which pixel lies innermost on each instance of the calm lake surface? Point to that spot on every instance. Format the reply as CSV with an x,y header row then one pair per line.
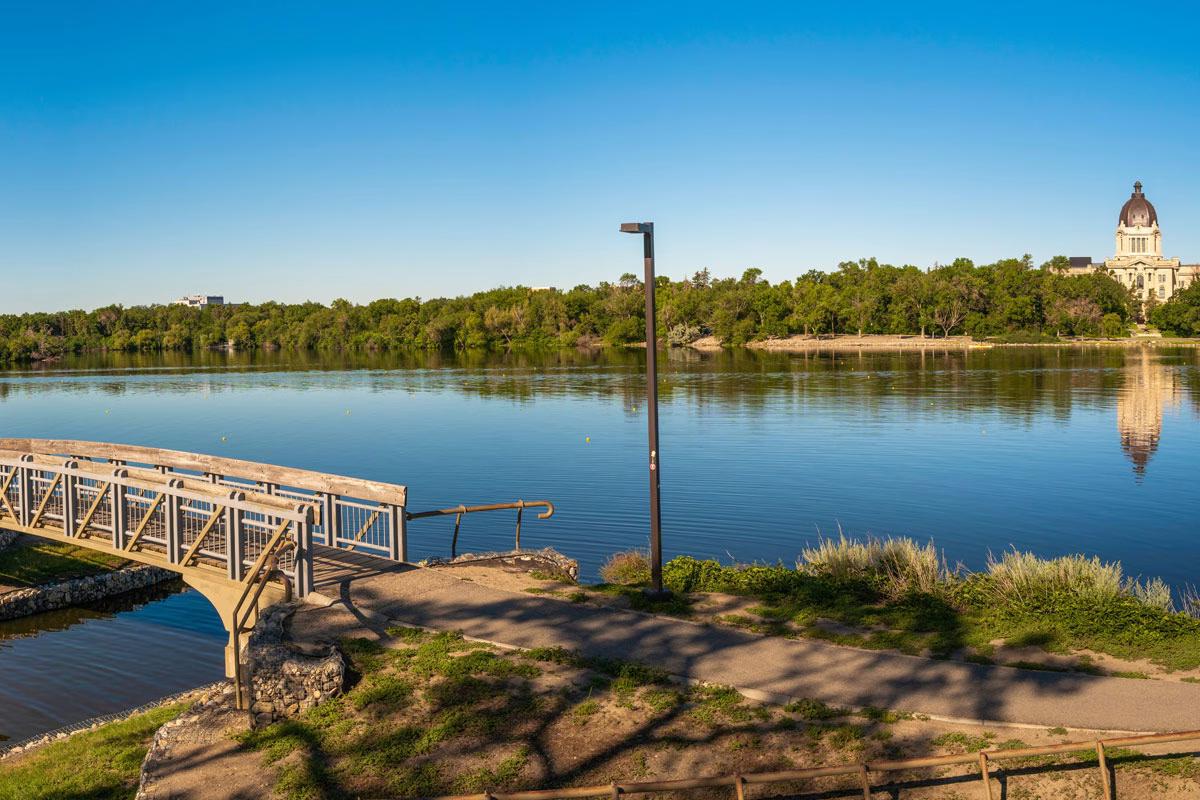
x,y
1054,450
75,664
1057,450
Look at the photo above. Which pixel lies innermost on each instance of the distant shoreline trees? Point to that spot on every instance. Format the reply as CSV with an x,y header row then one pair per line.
x,y
1008,298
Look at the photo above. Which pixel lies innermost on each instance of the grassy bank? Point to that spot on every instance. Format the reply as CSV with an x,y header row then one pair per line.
x,y
898,594
434,714
99,765
38,562
427,714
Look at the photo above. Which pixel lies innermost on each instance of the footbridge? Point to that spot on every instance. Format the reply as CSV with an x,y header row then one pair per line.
x,y
244,534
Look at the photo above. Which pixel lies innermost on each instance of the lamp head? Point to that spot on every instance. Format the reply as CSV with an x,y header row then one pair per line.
x,y
637,227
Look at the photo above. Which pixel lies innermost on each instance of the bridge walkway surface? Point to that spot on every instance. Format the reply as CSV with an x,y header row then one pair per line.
x,y
367,593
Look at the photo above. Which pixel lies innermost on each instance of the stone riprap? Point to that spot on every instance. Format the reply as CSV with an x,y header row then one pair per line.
x,y
7,538
36,599
546,560
288,677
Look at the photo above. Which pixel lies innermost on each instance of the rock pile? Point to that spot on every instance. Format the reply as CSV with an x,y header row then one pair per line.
x,y
36,599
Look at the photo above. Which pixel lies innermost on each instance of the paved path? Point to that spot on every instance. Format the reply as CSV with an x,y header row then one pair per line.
x,y
364,591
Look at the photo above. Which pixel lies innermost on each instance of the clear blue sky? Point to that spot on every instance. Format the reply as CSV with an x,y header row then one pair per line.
x,y
307,150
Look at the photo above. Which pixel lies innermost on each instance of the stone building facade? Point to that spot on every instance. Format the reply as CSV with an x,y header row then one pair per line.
x,y
1139,263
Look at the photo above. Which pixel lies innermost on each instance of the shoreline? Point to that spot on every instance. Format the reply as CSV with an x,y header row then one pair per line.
x,y
874,342
900,343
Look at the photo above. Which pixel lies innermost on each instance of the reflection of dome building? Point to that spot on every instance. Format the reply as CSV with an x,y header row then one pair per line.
x,y
1139,264
1149,386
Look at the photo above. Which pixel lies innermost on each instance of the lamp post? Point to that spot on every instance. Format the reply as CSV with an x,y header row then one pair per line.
x,y
646,229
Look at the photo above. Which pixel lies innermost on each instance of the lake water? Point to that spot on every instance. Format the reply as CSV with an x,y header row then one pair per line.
x,y
1054,450
74,664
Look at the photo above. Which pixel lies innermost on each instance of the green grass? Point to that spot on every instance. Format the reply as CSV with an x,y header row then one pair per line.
x,y
964,742
809,709
43,562
431,691
97,765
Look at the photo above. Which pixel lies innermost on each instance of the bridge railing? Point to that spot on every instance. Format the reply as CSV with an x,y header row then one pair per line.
x,y
175,521
350,513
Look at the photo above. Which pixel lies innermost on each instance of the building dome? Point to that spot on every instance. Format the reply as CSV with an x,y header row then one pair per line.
x,y
1138,211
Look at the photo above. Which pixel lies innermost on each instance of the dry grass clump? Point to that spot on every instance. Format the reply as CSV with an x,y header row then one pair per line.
x,y
631,568
1022,580
901,564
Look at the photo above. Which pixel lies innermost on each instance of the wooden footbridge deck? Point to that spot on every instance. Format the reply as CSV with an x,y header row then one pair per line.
x,y
243,533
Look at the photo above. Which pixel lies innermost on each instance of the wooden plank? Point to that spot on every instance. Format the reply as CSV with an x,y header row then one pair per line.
x,y
361,488
195,490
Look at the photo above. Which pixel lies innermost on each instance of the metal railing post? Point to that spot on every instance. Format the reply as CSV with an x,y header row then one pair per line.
x,y
520,512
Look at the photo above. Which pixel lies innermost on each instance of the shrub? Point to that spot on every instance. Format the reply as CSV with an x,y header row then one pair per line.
x,y
683,334
898,566
1024,581
1113,327
631,568
686,574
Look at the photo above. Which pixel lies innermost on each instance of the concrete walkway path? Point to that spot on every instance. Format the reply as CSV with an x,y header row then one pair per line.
x,y
364,592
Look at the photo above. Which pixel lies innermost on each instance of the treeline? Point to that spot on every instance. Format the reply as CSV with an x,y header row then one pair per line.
x,y
1009,298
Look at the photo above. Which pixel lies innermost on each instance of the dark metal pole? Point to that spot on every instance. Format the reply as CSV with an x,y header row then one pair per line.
x,y
646,229
656,582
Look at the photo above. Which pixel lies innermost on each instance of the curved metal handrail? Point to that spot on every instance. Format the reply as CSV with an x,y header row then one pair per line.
x,y
459,511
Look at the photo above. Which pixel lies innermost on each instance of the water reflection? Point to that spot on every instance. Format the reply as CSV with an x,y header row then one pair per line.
x,y
1150,386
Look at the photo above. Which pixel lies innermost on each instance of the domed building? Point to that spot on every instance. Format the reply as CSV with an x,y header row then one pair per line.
x,y
1139,263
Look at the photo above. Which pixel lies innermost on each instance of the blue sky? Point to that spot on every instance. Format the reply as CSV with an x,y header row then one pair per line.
x,y
298,150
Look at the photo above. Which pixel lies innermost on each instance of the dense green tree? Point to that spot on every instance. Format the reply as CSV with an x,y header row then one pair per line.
x,y
1179,316
1008,297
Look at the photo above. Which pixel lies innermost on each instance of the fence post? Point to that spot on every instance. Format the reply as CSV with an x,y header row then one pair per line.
x,y
68,486
397,538
116,500
987,778
233,537
331,522
1105,781
304,557
173,516
25,491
